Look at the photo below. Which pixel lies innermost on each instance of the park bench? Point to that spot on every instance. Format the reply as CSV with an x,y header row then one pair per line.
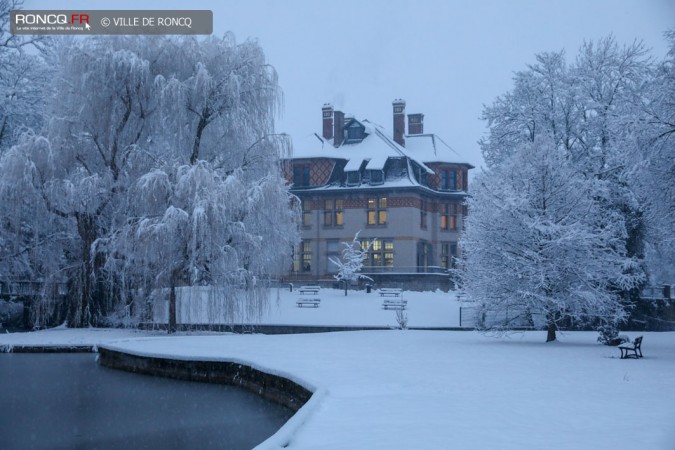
x,y
309,290
308,296
390,292
633,347
394,304
308,301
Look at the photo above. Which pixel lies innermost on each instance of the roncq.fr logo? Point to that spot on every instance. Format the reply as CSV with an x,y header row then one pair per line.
x,y
51,19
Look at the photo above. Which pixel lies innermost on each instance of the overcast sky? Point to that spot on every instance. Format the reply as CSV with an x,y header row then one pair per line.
x,y
445,58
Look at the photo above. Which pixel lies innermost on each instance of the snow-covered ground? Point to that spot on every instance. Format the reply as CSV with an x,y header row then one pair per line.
x,y
424,309
67,337
453,389
358,308
433,389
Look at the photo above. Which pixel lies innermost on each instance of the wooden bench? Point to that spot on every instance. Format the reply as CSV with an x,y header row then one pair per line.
x,y
390,292
308,301
394,304
631,347
309,290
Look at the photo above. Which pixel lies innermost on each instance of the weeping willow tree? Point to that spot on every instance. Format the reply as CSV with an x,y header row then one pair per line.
x,y
214,209
149,142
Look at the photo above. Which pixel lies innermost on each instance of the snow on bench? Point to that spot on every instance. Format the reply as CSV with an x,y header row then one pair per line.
x,y
308,301
394,304
309,290
308,296
632,347
390,292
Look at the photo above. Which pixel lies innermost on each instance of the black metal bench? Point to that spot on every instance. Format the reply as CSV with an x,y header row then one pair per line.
x,y
633,347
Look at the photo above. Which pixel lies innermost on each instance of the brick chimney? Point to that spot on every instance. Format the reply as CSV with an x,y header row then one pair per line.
x,y
327,114
415,124
338,127
399,121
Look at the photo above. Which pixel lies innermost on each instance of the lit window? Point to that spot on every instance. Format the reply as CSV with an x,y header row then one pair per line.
x,y
306,213
302,257
333,214
381,252
377,211
449,216
306,256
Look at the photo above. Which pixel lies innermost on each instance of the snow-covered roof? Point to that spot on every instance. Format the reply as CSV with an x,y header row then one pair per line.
x,y
375,148
431,148
314,146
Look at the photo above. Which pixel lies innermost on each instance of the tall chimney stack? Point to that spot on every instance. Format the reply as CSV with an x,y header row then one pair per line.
x,y
415,124
338,126
327,114
399,121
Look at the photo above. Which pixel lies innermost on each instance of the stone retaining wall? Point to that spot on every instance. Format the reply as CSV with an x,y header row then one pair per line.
x,y
271,387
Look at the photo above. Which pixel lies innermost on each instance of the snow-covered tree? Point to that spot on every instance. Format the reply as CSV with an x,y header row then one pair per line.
x,y
193,225
540,248
587,109
24,79
653,147
35,245
351,263
134,117
214,199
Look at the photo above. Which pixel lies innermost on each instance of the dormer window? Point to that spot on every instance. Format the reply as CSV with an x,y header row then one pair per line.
x,y
376,177
355,132
301,175
353,178
448,180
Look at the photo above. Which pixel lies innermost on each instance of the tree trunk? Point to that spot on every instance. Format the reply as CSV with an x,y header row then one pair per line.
x,y
550,335
172,306
203,122
81,309
346,287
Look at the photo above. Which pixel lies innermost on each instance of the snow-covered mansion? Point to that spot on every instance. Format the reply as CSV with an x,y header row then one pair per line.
x,y
403,191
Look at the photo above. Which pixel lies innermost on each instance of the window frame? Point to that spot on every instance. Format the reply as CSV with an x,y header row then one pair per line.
x,y
376,213
448,216
380,251
306,206
302,254
333,213
303,174
448,180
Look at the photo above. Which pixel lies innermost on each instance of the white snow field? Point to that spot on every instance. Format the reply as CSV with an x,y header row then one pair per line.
x,y
434,389
358,308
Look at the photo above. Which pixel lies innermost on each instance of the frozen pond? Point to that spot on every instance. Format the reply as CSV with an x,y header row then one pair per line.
x,y
69,401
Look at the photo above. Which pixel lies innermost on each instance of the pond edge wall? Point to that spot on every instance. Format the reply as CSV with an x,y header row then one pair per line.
x,y
271,387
